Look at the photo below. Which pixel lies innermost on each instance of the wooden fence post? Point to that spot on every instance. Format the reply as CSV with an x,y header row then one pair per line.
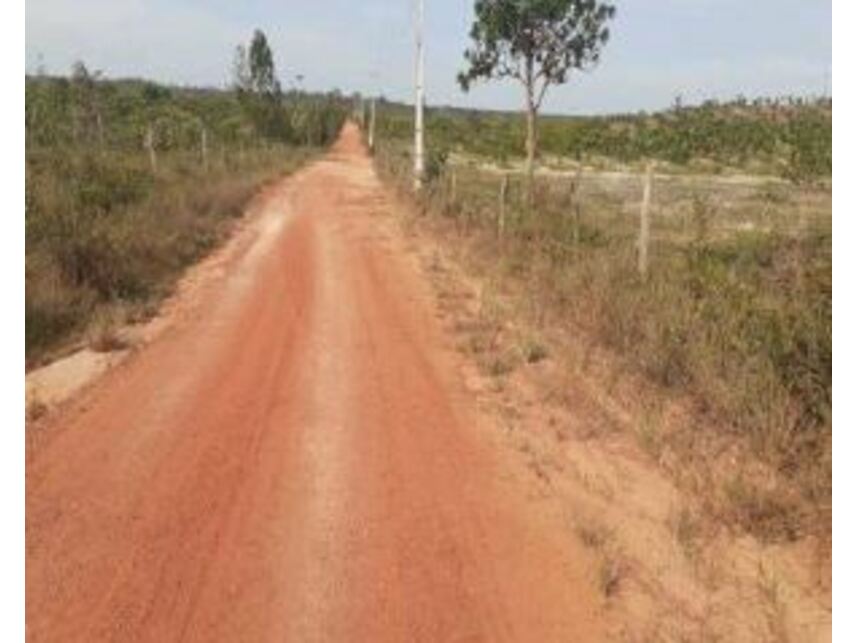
x,y
501,218
204,148
574,204
643,242
372,127
100,125
150,146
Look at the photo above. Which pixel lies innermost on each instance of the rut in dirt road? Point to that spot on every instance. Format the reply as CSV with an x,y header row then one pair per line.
x,y
293,459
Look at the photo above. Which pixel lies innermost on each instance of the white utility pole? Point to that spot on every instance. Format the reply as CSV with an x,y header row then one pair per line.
x,y
376,91
372,127
419,141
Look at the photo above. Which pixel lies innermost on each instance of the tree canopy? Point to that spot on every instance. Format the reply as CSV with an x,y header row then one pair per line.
x,y
253,70
263,75
538,43
537,40
255,81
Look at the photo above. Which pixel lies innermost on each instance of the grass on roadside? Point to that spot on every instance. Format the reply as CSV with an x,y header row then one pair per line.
x,y
735,314
104,232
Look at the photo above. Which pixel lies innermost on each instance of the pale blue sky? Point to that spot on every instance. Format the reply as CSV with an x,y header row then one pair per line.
x,y
660,48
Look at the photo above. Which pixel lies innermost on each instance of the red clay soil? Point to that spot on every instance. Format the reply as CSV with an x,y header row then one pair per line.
x,y
295,461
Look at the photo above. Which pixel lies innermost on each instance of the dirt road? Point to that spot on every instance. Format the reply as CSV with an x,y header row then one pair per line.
x,y
293,459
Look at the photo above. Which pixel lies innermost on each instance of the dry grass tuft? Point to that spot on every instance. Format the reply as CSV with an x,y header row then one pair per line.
x,y
771,515
498,364
687,530
104,333
610,576
534,351
594,535
36,409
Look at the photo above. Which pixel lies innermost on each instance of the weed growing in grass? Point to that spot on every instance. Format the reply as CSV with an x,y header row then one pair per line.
x,y
498,363
594,536
610,576
686,530
611,567
770,588
35,409
103,334
767,513
535,351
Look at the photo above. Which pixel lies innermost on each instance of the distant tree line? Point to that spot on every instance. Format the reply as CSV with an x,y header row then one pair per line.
x,y
86,109
789,136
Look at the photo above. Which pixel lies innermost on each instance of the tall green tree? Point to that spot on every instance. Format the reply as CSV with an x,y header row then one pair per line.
x,y
255,81
88,124
538,43
263,75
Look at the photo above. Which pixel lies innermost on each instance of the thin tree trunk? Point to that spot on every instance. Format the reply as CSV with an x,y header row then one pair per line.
x,y
532,145
532,129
